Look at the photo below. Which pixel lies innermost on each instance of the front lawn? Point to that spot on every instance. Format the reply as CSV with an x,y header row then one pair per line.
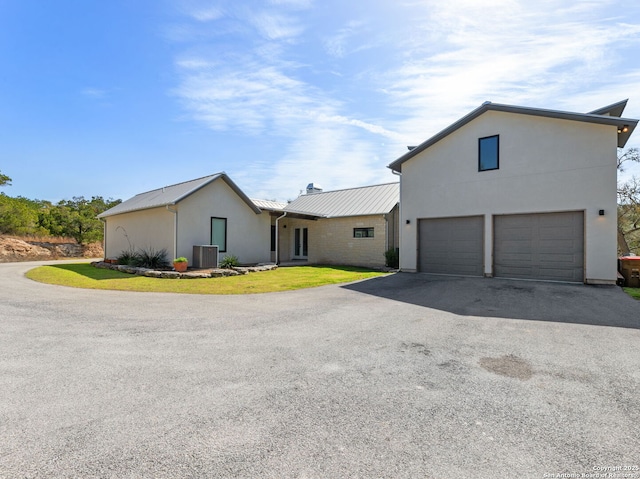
x,y
633,292
83,275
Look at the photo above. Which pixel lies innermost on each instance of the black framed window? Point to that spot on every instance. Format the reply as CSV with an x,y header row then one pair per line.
x,y
219,233
363,232
489,153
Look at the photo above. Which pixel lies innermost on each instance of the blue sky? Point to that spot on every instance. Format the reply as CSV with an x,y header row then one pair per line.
x,y
117,97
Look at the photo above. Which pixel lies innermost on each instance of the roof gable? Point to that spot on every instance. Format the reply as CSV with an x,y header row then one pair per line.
x,y
173,194
366,200
603,116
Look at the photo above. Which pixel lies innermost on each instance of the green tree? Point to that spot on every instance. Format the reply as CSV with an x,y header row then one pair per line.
x,y
76,218
4,180
19,216
629,206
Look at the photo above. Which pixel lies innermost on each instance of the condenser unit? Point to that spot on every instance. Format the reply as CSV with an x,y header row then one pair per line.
x,y
205,256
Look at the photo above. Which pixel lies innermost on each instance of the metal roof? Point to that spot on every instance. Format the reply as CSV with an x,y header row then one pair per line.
x,y
170,195
366,200
615,109
608,115
269,205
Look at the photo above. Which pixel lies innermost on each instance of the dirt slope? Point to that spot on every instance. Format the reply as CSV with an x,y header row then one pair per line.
x,y
13,249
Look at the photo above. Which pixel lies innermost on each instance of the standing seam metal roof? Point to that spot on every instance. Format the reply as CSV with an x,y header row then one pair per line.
x,y
170,195
269,205
366,200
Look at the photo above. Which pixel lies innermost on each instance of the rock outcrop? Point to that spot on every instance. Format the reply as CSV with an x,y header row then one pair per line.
x,y
13,249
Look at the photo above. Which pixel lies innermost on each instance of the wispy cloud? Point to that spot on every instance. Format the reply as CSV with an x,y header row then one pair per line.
x,y
337,45
536,57
201,10
332,157
346,89
96,93
297,4
276,26
253,98
207,14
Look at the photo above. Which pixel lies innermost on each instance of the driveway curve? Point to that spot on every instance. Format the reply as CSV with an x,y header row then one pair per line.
x,y
401,377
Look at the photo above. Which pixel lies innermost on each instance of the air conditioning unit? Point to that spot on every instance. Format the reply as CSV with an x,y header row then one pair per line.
x,y
205,256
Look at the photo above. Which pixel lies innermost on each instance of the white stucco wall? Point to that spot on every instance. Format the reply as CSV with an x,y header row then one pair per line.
x,y
248,233
546,165
152,228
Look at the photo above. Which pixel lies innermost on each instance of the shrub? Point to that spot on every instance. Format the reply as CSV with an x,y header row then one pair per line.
x,y
392,258
181,259
229,262
153,259
129,257
145,258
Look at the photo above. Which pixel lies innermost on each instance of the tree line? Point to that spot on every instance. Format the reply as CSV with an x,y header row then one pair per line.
x,y
75,218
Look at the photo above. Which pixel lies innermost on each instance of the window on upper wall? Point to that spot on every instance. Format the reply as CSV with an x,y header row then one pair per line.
x,y
219,233
488,153
363,232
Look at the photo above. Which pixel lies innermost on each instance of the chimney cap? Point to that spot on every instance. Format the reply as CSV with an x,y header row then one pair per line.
x,y
313,188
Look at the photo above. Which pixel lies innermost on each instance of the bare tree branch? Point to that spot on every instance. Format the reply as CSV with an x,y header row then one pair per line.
x,y
631,155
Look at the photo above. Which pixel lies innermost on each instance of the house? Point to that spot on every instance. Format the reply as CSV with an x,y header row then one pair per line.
x,y
204,211
351,226
515,192
354,226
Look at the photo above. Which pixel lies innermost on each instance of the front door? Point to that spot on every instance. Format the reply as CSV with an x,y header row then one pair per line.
x,y
300,243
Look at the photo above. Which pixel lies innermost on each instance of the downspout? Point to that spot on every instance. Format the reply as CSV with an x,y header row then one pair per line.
x,y
175,231
386,232
278,236
400,229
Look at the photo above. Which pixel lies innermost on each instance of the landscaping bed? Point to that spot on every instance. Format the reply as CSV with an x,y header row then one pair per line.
x,y
189,274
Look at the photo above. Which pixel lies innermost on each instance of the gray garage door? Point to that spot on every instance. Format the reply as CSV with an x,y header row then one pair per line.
x,y
451,245
548,246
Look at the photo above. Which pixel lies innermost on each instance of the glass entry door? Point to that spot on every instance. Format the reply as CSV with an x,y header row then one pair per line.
x,y
300,243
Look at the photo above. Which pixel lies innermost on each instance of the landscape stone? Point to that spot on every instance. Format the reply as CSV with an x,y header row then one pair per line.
x,y
153,274
198,274
170,274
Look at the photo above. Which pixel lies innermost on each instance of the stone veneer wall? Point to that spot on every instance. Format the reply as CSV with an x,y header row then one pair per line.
x,y
331,240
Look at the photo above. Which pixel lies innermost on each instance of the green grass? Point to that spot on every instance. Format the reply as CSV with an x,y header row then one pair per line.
x,y
83,275
633,292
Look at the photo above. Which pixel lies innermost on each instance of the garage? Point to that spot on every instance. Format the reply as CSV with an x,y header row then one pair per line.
x,y
544,246
451,245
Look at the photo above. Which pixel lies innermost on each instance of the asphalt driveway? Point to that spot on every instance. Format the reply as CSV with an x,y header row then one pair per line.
x,y
401,377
